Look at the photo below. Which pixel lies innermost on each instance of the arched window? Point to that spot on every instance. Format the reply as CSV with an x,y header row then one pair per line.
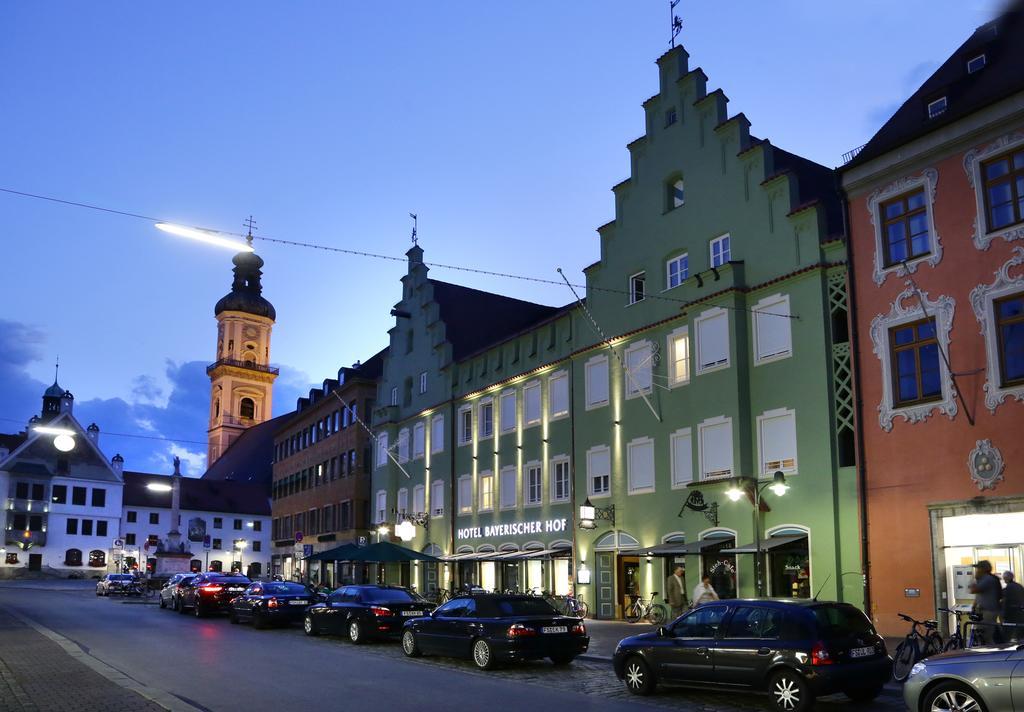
x,y
97,557
216,565
433,550
247,408
73,557
216,408
195,565
254,569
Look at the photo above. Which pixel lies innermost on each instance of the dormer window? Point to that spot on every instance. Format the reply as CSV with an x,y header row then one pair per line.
x,y
674,193
976,64
937,107
637,287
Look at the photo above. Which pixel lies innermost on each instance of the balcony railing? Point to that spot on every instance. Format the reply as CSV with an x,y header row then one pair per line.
x,y
851,154
238,363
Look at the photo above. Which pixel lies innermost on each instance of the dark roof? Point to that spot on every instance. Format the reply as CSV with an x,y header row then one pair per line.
x,y
198,494
1002,43
475,319
250,458
246,289
12,441
369,370
816,184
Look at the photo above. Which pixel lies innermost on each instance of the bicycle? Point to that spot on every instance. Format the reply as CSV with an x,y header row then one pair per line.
x,y
639,607
915,647
569,605
956,639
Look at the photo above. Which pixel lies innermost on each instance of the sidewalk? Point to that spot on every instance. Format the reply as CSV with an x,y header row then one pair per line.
x,y
37,674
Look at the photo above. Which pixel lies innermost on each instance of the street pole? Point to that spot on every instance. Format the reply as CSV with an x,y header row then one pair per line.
x,y
757,538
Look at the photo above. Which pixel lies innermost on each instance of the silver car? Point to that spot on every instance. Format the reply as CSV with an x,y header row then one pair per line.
x,y
972,680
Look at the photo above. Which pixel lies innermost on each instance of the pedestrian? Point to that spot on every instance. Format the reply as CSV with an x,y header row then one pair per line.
x,y
703,592
1013,608
675,593
987,592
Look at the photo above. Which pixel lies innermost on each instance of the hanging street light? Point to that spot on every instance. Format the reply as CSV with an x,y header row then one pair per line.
x,y
63,440
211,237
753,489
589,514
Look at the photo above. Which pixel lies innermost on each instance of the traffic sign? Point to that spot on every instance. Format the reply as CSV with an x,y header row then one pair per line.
x,y
362,541
207,543
118,543
307,550
146,546
298,536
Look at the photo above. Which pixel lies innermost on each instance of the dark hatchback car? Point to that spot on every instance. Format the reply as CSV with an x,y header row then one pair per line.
x,y
794,649
210,593
266,603
365,611
171,590
494,628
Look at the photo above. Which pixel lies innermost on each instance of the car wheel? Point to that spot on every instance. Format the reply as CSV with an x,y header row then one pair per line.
x,y
483,655
308,626
198,610
948,696
863,695
638,676
355,631
789,692
409,646
561,660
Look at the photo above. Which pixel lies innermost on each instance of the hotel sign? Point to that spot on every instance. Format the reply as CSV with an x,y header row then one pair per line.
x,y
514,529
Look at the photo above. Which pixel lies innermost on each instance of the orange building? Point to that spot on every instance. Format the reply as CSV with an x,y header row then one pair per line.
x,y
936,219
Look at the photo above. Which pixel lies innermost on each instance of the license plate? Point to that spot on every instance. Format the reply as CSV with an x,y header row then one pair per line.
x,y
411,614
554,629
861,652
235,590
299,603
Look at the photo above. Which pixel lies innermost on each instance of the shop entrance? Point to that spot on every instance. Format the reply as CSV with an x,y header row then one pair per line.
x,y
35,562
509,575
997,538
720,566
789,569
629,580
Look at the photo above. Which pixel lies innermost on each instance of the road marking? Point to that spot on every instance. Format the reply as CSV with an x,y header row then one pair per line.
x,y
161,697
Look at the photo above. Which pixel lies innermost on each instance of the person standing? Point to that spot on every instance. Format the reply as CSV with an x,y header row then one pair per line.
x,y
675,593
987,594
1013,608
704,592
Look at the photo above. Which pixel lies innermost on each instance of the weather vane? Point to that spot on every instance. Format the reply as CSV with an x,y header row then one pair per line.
x,y
250,224
677,24
414,223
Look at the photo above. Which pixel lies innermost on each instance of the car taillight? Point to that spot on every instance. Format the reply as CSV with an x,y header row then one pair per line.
x,y
380,611
211,588
578,629
520,631
819,655
273,603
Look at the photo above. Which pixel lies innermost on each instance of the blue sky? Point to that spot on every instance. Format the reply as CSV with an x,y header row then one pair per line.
x,y
503,125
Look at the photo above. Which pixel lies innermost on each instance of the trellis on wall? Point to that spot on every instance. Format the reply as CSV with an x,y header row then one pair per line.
x,y
842,370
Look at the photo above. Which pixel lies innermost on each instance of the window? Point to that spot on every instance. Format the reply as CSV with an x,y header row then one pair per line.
x,y
486,490
60,494
99,497
465,494
86,527
78,495
675,194
596,374
419,432
531,400
720,251
975,64
437,434
403,445
101,528
257,525
641,465
915,362
465,425
681,444
1010,337
72,526
154,517
238,524
218,522
670,116
73,557
403,501
97,558
599,471
534,491
772,329
486,419
677,270
905,228
380,513
777,441
247,408
423,382
216,544
257,546
39,493
701,623
937,107
21,490
437,498
508,411
637,283
507,491
679,356
757,623
129,539
133,516
638,368
715,448
559,480
394,396
382,449
558,395
419,499
712,340
1003,179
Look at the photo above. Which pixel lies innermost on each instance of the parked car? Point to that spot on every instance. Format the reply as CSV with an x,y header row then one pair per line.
x,y
114,583
497,628
365,611
272,602
794,649
975,679
210,592
171,590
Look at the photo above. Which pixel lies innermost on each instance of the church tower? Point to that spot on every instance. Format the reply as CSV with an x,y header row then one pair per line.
x,y
241,378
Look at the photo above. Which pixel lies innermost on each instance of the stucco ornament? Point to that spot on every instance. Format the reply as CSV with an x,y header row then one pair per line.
x,y
929,179
985,464
982,298
973,159
906,308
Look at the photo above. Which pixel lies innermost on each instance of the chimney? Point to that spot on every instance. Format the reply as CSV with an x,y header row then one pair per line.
x,y
117,464
93,431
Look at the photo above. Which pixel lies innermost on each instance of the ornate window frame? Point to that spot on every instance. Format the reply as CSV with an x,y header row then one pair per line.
x,y
929,179
942,311
982,237
982,297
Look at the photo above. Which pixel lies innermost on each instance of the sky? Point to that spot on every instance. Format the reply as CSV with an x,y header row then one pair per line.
x,y
502,125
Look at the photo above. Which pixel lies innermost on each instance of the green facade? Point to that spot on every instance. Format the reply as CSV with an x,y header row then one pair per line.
x,y
734,361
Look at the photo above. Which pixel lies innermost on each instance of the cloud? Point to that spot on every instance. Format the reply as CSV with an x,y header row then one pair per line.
x,y
145,388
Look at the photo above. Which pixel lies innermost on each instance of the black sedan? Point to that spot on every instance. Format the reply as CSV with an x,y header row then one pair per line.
x,y
171,590
265,603
363,612
494,628
211,592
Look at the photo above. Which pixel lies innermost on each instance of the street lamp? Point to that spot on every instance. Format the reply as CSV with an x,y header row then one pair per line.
x,y
211,237
63,440
240,544
589,514
753,489
382,530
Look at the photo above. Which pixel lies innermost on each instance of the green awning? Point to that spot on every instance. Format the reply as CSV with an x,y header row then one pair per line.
x,y
338,553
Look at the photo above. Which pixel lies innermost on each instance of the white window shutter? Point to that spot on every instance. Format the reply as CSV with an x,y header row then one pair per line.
x,y
558,397
437,434
508,487
641,465
682,457
418,502
638,362
778,442
597,381
713,340
532,396
716,449
418,435
773,328
508,411
437,497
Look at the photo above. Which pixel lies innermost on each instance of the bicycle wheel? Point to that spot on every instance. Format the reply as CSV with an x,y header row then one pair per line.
x,y
582,609
933,644
955,642
657,614
632,613
904,659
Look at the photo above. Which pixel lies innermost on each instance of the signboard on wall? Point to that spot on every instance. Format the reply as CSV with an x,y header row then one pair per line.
x,y
196,529
546,526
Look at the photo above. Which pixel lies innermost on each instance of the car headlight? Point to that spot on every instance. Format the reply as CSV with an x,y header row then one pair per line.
x,y
917,669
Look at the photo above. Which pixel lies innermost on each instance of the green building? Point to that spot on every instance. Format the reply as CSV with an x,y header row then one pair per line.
x,y
710,353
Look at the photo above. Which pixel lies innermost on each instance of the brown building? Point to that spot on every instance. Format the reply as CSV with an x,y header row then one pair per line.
x,y
321,487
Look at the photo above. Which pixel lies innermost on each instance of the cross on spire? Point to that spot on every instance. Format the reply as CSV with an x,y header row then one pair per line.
x,y
250,225
677,24
415,222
